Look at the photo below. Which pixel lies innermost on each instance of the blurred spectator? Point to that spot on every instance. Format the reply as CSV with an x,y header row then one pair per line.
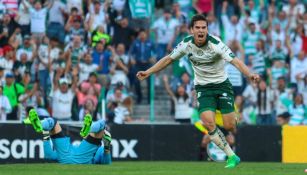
x,y
44,63
141,54
60,66
32,98
234,75
278,70
89,90
283,119
62,96
203,6
12,90
117,97
250,101
5,106
56,20
253,11
123,33
234,26
6,62
95,17
297,39
185,6
118,85
24,18
278,52
119,69
16,39
74,26
298,68
213,24
86,67
22,66
27,47
179,15
164,28
181,100
54,53
298,111
265,102
75,50
88,107
282,20
277,35
122,112
250,39
99,35
38,15
293,10
25,79
103,58
7,28
286,98
184,81
75,4
259,58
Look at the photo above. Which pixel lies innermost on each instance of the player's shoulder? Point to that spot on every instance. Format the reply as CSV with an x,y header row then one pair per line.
x,y
213,39
188,39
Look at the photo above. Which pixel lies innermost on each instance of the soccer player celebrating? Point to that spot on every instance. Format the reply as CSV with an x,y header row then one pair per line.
x,y
214,91
89,151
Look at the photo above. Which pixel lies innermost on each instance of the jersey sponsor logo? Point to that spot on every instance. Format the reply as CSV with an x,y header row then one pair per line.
x,y
200,53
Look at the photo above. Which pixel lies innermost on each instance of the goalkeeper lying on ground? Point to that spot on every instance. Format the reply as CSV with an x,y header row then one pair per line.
x,y
89,151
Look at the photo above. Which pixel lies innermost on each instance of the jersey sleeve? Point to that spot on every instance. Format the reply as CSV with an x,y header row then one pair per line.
x,y
225,52
179,51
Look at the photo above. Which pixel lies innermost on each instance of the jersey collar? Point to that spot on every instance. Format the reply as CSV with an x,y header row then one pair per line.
x,y
206,42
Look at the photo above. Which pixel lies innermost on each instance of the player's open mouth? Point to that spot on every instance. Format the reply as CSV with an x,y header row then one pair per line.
x,y
201,36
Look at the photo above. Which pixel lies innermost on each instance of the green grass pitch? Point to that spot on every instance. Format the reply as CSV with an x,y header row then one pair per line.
x,y
155,168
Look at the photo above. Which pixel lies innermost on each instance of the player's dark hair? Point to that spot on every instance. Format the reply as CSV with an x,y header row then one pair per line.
x,y
185,96
196,18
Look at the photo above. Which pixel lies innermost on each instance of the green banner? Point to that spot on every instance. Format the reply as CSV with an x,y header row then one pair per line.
x,y
140,8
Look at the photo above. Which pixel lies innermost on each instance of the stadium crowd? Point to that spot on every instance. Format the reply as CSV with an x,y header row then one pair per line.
x,y
64,56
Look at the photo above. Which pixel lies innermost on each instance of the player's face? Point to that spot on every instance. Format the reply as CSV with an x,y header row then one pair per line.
x,y
200,31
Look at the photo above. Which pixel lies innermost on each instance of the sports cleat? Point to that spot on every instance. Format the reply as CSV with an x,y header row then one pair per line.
x,y
35,121
232,161
87,122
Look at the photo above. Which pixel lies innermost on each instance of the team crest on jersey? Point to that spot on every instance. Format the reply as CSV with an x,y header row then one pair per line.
x,y
200,53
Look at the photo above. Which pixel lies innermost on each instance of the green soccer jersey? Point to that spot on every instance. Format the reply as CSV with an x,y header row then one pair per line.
x,y
208,61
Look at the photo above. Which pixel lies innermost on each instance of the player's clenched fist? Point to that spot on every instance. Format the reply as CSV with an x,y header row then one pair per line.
x,y
141,75
255,78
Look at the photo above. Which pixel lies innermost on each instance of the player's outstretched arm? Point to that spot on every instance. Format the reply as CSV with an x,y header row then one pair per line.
x,y
244,69
161,64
